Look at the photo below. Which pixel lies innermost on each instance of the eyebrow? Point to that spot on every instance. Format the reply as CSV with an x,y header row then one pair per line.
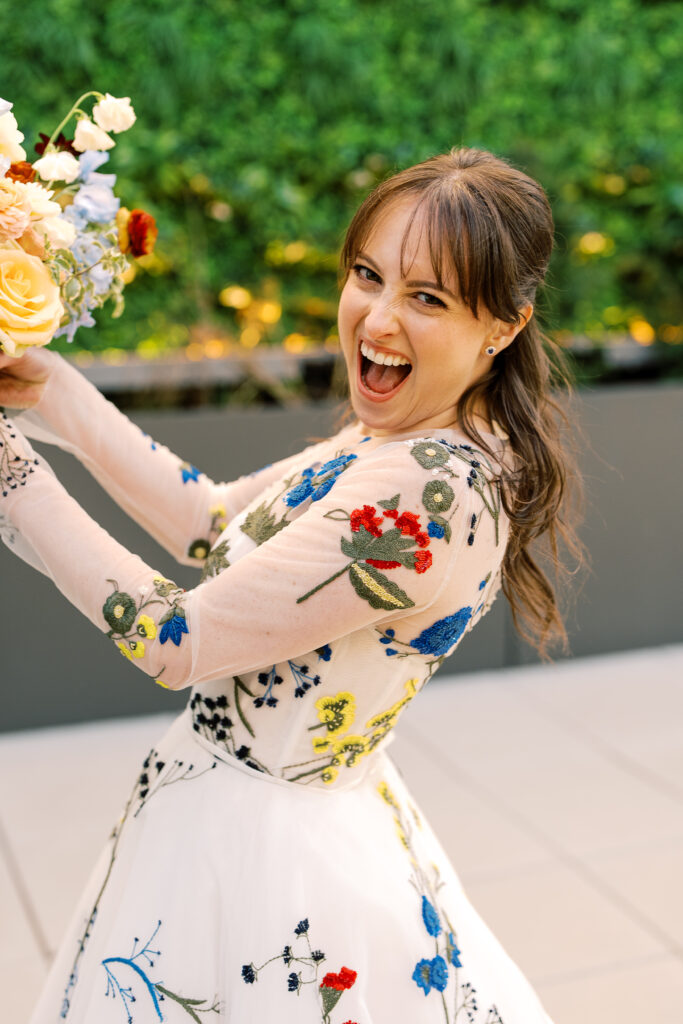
x,y
411,284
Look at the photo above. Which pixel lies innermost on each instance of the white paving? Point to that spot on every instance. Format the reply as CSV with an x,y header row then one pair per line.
x,y
556,790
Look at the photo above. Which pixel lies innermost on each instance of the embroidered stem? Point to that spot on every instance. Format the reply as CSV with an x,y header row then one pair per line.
x,y
324,583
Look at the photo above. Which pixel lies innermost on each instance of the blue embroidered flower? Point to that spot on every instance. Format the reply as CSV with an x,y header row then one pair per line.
x,y
430,917
301,927
324,652
429,974
316,483
173,629
293,982
248,974
483,583
435,530
438,638
189,472
452,951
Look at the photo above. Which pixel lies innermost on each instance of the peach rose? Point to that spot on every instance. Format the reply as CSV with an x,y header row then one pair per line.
x,y
15,211
30,306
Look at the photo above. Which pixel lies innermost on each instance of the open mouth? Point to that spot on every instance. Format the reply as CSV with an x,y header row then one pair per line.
x,y
382,379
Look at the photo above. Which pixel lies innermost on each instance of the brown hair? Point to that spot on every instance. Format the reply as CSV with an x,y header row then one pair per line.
x,y
493,225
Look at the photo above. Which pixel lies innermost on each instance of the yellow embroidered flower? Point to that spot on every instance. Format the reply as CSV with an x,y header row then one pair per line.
x,y
147,627
329,775
337,713
387,795
320,744
217,510
124,649
353,747
137,648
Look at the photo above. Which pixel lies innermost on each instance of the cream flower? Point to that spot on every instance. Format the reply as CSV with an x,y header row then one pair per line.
x,y
10,138
114,115
40,200
30,306
89,136
61,166
60,233
15,211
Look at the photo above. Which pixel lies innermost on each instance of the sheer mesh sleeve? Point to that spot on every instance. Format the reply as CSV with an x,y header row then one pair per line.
x,y
380,545
171,499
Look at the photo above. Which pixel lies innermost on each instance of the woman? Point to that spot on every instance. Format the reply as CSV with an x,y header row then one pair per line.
x,y
270,863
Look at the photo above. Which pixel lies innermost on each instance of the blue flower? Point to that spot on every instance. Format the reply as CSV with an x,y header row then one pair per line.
x,y
84,320
316,483
301,927
249,974
299,493
441,635
189,472
337,464
173,629
430,917
483,583
96,201
89,162
429,974
434,530
293,982
452,952
324,652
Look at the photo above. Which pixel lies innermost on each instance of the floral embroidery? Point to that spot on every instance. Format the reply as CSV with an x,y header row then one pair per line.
x,y
201,548
438,638
121,611
433,973
330,989
211,719
301,675
484,483
189,472
215,561
14,469
371,548
316,483
138,964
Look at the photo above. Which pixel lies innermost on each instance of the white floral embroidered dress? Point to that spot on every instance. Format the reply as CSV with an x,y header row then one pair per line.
x,y
270,864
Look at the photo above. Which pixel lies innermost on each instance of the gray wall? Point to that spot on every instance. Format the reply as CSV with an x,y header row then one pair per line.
x,y
56,667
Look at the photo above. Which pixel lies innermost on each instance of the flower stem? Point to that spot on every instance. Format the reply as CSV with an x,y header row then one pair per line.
x,y
74,109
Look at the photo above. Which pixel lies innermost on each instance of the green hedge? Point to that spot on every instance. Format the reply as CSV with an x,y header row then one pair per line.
x,y
262,124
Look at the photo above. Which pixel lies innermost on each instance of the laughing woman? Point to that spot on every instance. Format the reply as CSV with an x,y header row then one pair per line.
x,y
270,863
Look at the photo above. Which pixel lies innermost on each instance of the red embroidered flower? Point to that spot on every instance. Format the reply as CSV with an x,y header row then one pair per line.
x,y
367,517
408,524
391,513
344,979
379,563
423,560
422,539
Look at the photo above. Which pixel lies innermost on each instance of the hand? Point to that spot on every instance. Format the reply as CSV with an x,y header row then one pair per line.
x,y
17,458
23,380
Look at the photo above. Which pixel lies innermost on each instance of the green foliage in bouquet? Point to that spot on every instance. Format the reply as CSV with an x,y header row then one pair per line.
x,y
261,126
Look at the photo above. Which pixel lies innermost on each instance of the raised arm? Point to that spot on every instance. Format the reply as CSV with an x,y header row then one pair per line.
x,y
171,499
379,547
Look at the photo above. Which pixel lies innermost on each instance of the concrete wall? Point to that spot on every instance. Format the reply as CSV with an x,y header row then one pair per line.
x,y
56,667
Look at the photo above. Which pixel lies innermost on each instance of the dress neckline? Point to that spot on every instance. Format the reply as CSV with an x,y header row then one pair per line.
x,y
497,435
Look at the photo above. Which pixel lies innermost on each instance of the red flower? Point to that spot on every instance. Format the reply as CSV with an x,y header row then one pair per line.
x,y
61,142
379,563
391,513
367,517
408,524
344,979
421,539
423,560
142,232
21,170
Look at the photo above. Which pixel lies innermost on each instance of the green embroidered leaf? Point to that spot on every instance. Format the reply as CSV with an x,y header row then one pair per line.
x,y
437,496
392,503
216,561
260,524
389,547
331,997
338,514
374,587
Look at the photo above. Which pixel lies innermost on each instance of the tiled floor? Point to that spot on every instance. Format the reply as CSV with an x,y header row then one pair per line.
x,y
557,791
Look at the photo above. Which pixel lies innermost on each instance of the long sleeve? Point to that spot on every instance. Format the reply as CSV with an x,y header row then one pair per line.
x,y
377,548
171,499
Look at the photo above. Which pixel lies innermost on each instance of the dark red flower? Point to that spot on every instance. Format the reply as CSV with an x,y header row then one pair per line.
x,y
344,979
367,517
423,560
21,170
142,232
379,563
422,539
408,524
61,142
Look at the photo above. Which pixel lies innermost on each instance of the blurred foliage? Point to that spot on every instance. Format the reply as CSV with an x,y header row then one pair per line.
x,y
261,126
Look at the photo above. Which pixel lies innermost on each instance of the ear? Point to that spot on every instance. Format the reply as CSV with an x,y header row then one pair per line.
x,y
503,334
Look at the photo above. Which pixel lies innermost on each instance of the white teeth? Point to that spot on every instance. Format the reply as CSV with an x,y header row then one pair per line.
x,y
383,358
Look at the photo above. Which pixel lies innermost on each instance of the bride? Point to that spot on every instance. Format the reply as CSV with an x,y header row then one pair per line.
x,y
270,863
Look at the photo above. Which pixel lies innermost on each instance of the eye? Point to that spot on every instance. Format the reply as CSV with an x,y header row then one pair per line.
x,y
364,273
430,300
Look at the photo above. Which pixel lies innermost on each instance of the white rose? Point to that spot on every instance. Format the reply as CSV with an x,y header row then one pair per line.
x,y
61,166
89,136
60,233
5,106
10,138
15,212
40,200
114,115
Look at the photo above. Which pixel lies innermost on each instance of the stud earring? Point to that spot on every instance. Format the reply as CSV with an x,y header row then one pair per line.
x,y
490,350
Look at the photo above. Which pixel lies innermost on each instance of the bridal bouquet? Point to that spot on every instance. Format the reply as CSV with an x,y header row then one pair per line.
x,y
65,240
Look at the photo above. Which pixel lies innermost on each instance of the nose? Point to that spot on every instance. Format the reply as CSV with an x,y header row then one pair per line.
x,y
381,319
